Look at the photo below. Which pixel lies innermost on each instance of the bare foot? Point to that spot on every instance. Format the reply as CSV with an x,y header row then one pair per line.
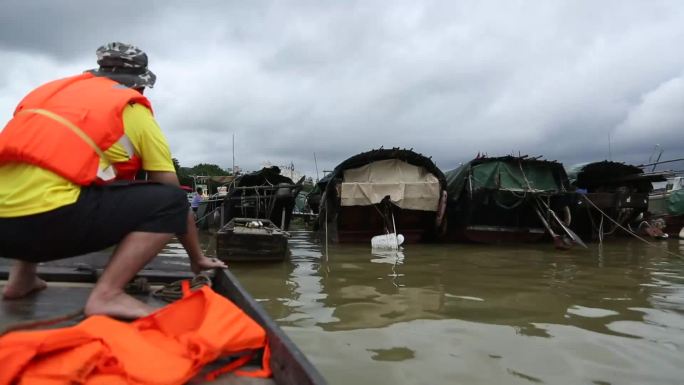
x,y
18,288
117,305
204,263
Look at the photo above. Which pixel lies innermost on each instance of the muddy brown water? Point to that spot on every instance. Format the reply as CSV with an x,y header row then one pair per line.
x,y
479,314
476,314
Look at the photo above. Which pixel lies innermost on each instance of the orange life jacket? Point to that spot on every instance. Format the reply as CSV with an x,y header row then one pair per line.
x,y
169,346
65,125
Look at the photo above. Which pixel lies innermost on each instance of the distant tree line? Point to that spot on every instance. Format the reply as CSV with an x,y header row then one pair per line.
x,y
185,173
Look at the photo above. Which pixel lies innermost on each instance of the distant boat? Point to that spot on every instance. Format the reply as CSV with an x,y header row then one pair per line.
x,y
381,191
508,199
313,198
264,194
617,190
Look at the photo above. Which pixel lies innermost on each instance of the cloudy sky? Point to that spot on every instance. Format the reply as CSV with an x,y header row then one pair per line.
x,y
571,80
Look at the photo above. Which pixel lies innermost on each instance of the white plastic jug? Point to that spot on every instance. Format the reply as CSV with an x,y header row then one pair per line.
x,y
387,241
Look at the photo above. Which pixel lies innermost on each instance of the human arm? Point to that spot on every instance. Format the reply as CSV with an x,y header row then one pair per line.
x,y
189,240
151,146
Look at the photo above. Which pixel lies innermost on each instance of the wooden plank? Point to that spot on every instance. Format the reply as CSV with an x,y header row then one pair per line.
x,y
75,274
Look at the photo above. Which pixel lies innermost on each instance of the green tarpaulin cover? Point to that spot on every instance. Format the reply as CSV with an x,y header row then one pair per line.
x,y
675,203
506,174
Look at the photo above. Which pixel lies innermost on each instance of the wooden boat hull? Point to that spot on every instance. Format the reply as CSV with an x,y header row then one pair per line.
x,y
623,208
358,224
290,366
479,220
237,242
498,234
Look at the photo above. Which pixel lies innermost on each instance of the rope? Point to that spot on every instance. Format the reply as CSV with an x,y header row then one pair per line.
x,y
206,215
173,291
629,231
396,234
529,186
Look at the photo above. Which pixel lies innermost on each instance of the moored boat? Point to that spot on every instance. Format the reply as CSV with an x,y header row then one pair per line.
x,y
382,191
507,199
250,239
613,189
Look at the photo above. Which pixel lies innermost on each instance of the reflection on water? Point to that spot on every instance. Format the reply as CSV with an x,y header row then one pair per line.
x,y
479,314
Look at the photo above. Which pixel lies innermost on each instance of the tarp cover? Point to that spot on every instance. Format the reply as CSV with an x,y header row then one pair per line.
x,y
409,187
506,174
514,177
675,203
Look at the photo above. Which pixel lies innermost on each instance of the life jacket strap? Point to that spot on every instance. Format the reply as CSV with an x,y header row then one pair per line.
x,y
108,172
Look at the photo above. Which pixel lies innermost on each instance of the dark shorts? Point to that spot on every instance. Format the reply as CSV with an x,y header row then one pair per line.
x,y
100,218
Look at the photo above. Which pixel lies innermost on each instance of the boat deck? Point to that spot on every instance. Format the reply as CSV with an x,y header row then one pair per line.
x,y
64,298
70,281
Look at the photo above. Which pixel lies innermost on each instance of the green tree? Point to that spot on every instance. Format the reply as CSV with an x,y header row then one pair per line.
x,y
208,169
182,172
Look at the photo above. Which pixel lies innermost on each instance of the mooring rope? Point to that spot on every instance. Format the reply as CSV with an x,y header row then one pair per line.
x,y
628,231
174,290
211,212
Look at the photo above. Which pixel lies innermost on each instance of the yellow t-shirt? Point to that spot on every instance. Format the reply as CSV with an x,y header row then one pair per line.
x,y
26,189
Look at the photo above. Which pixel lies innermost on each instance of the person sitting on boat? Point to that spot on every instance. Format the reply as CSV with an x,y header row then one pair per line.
x,y
196,200
67,159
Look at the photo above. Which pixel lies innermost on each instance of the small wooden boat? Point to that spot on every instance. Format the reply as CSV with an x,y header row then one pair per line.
x,y
289,365
381,191
251,239
613,189
509,199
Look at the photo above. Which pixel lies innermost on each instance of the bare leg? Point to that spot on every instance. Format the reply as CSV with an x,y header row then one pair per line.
x,y
130,256
22,281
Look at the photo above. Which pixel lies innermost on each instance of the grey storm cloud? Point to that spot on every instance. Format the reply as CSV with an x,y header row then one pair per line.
x,y
574,81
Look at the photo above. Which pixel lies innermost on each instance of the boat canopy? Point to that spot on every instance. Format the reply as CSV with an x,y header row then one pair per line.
x,y
607,174
412,180
408,186
508,173
267,176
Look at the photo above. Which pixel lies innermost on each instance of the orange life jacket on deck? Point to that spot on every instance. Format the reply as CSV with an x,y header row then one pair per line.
x,y
65,125
169,346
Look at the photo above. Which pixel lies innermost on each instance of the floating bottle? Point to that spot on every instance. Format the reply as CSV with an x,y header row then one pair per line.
x,y
387,241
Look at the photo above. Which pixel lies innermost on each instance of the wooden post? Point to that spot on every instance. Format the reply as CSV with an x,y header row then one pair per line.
x,y
222,217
